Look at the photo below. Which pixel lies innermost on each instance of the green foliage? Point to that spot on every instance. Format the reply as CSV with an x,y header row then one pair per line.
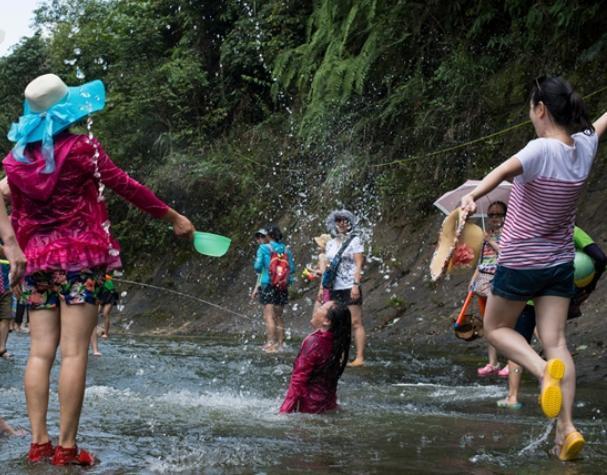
x,y
231,111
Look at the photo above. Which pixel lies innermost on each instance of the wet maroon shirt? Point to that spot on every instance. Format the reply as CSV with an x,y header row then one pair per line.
x,y
310,391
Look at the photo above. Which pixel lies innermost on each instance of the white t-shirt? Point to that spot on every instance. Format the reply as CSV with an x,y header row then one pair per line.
x,y
345,272
541,212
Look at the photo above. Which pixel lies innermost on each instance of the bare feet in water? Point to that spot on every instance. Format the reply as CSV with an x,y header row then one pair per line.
x,y
269,347
356,363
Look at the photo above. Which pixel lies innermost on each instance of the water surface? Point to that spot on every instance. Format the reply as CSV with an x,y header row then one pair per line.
x,y
209,405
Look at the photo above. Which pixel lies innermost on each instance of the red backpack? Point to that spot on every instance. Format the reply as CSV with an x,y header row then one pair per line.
x,y
279,269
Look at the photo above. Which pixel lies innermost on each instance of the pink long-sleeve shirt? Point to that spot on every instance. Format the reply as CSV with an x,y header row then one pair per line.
x,y
317,394
57,217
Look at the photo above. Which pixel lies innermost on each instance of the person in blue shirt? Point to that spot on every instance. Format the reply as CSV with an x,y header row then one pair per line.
x,y
274,261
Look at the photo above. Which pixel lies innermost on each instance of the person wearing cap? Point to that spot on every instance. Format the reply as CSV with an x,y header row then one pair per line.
x,y
261,237
56,180
346,286
274,295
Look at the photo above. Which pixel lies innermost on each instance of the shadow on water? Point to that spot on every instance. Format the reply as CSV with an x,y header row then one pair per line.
x,y
162,405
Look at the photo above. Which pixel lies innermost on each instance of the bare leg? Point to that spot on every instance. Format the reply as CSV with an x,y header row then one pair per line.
x,y
44,333
279,322
514,381
358,330
492,355
4,330
551,322
268,318
107,310
499,322
77,323
95,342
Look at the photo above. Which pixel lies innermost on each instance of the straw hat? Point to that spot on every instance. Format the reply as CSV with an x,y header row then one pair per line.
x,y
459,245
322,240
50,107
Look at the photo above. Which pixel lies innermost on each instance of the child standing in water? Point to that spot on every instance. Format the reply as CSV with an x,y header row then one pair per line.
x,y
320,362
536,251
481,280
62,225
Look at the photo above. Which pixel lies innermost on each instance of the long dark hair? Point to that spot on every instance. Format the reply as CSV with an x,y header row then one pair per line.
x,y
274,232
565,105
341,328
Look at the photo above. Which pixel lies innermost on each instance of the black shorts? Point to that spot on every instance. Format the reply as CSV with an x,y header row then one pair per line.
x,y
524,284
525,325
106,296
344,297
269,294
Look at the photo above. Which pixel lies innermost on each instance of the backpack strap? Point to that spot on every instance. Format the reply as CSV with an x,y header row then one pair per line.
x,y
344,246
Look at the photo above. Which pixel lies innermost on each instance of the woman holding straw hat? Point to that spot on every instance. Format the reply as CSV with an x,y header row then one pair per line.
x,y
56,181
536,249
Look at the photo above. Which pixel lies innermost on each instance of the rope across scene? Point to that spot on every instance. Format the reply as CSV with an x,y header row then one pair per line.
x,y
471,142
164,289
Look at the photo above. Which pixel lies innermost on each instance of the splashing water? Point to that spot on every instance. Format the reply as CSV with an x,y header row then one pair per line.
x,y
534,444
101,187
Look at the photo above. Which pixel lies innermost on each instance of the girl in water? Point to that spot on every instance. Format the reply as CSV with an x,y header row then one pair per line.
x,y
320,362
481,280
61,222
536,249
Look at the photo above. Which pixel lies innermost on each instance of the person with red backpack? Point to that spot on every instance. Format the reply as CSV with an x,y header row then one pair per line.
x,y
274,261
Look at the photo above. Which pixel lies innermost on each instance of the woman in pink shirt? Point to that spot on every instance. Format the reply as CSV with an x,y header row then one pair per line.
x,y
321,361
56,181
536,249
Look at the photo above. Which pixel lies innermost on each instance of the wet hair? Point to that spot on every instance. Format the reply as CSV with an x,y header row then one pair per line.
x,y
499,203
341,326
565,105
274,232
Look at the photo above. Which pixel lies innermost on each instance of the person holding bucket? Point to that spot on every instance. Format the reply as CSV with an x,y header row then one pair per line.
x,y
537,251
61,222
344,253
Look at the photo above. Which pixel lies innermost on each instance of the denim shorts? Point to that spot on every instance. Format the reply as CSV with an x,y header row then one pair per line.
x,y
524,284
45,289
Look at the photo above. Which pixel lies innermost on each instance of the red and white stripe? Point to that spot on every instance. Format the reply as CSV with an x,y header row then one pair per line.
x,y
538,231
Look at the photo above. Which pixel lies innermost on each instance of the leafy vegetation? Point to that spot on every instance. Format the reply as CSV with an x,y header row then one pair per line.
x,y
233,110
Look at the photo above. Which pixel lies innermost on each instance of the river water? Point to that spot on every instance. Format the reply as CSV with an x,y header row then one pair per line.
x,y
209,405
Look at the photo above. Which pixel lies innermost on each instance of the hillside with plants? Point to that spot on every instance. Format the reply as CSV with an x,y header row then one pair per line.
x,y
243,112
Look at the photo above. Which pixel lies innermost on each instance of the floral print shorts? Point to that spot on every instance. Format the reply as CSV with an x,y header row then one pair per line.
x,y
45,289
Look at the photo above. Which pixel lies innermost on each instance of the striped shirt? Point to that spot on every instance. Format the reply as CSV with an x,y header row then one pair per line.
x,y
538,231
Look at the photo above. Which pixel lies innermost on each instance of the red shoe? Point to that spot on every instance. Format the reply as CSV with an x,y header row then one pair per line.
x,y
72,456
487,370
40,452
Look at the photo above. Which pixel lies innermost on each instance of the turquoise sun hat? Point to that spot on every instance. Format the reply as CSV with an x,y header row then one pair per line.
x,y
49,108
